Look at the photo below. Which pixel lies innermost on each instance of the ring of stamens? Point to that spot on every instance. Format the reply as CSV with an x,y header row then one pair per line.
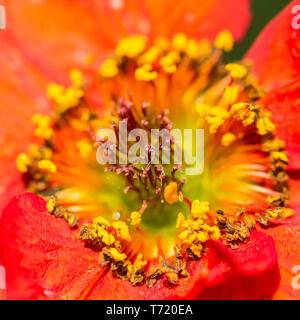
x,y
182,73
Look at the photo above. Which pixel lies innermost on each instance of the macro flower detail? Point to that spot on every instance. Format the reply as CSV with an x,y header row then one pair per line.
x,y
145,230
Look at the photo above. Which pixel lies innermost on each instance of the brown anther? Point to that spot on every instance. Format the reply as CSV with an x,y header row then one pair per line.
x,y
262,220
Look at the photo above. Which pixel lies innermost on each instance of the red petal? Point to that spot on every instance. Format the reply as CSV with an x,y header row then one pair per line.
x,y
253,272
276,60
276,52
45,259
284,103
42,256
287,240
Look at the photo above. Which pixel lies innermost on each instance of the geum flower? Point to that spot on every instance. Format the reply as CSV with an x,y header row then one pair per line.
x,y
148,232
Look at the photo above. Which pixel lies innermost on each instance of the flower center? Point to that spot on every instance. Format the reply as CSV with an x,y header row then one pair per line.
x,y
152,213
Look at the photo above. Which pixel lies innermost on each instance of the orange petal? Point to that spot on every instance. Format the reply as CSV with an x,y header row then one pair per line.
x,y
22,92
58,35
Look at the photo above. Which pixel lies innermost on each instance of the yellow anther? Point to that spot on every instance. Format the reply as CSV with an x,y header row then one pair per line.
x,y
219,112
45,133
180,220
139,263
243,112
54,91
197,224
169,61
230,94
273,214
224,41
179,42
273,145
122,230
184,235
192,49
35,152
199,209
145,73
264,126
203,110
197,250
114,254
202,236
237,71
23,161
215,233
215,123
109,68
171,193
106,237
64,98
51,205
47,165
287,213
277,155
187,224
84,147
41,120
101,221
216,118
135,218
227,139
70,98
76,77
150,56
241,106
131,46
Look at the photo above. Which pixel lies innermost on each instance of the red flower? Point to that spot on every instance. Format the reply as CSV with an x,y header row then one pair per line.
x,y
43,257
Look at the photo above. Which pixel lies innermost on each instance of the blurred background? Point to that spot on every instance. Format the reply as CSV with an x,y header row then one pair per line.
x,y
263,12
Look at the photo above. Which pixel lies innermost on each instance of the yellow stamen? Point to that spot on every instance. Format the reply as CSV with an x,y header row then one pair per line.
x,y
135,218
45,133
265,125
23,161
76,77
203,110
224,41
101,221
109,68
41,120
122,230
169,61
131,46
51,205
227,139
199,209
114,254
180,220
47,165
179,42
237,71
150,56
287,213
145,73
277,155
